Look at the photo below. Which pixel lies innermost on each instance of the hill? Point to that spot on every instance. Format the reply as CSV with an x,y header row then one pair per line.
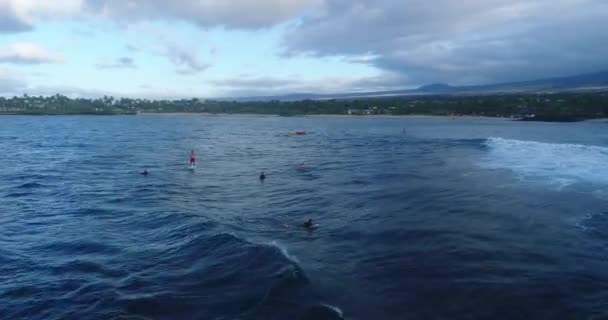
x,y
597,81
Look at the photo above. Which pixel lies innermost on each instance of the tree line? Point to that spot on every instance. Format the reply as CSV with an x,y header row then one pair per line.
x,y
566,105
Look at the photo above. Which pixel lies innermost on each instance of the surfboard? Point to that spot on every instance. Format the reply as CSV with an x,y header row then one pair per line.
x,y
311,228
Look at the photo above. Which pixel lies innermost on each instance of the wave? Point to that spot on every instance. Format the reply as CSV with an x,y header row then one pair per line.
x,y
559,164
223,276
30,185
284,252
78,247
594,223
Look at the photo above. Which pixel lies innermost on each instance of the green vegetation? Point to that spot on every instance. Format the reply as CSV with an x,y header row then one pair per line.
x,y
558,107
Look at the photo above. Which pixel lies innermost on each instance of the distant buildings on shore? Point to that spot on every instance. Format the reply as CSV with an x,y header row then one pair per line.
x,y
371,110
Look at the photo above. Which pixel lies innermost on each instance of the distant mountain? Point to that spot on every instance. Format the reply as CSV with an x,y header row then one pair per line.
x,y
436,87
591,81
584,82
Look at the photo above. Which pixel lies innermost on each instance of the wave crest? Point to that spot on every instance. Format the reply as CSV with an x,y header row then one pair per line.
x,y
558,164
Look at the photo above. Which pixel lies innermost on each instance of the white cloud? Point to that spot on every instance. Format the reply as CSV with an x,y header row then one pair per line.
x,y
27,53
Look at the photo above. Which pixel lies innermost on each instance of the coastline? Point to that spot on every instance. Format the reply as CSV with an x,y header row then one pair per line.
x,y
205,114
413,116
317,116
344,116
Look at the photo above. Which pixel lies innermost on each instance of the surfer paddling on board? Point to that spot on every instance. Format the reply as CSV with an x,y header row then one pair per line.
x,y
308,225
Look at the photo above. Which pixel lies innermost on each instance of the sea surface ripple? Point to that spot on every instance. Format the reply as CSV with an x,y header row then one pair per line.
x,y
419,218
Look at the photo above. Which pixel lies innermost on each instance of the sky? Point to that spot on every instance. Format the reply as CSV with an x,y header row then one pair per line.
x,y
221,48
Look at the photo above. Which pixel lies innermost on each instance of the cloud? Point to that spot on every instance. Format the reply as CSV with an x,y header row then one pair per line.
x,y
410,42
460,42
11,84
132,47
186,59
120,63
9,21
246,85
239,14
27,53
22,15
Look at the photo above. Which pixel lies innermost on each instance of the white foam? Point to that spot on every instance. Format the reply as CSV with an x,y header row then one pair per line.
x,y
284,251
337,310
559,164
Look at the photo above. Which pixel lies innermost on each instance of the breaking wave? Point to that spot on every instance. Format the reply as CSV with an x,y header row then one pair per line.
x,y
561,165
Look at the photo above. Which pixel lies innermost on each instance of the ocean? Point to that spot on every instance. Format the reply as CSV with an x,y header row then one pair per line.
x,y
418,218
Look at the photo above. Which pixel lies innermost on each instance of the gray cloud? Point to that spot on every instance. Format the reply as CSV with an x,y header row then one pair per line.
x,y
120,63
10,85
412,42
243,86
27,53
234,14
132,47
241,14
186,59
9,21
460,42
252,82
246,85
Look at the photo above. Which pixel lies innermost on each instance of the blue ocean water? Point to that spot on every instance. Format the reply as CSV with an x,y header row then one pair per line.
x,y
419,218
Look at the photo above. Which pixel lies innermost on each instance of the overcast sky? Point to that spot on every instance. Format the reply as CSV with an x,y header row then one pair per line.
x,y
212,48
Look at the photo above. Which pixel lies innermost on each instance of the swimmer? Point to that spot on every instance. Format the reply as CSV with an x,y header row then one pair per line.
x,y
262,176
145,172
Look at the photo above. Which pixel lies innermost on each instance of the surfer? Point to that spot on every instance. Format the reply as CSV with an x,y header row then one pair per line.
x,y
192,158
308,224
262,176
145,172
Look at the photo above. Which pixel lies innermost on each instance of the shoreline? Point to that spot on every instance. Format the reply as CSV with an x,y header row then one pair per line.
x,y
413,116
344,116
205,114
313,116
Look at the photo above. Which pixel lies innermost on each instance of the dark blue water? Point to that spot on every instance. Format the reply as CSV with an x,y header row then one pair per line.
x,y
453,219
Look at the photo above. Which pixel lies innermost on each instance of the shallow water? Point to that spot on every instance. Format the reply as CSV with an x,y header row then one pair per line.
x,y
449,219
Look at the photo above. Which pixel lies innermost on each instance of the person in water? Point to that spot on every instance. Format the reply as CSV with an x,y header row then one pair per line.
x,y
145,172
192,158
262,176
308,224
